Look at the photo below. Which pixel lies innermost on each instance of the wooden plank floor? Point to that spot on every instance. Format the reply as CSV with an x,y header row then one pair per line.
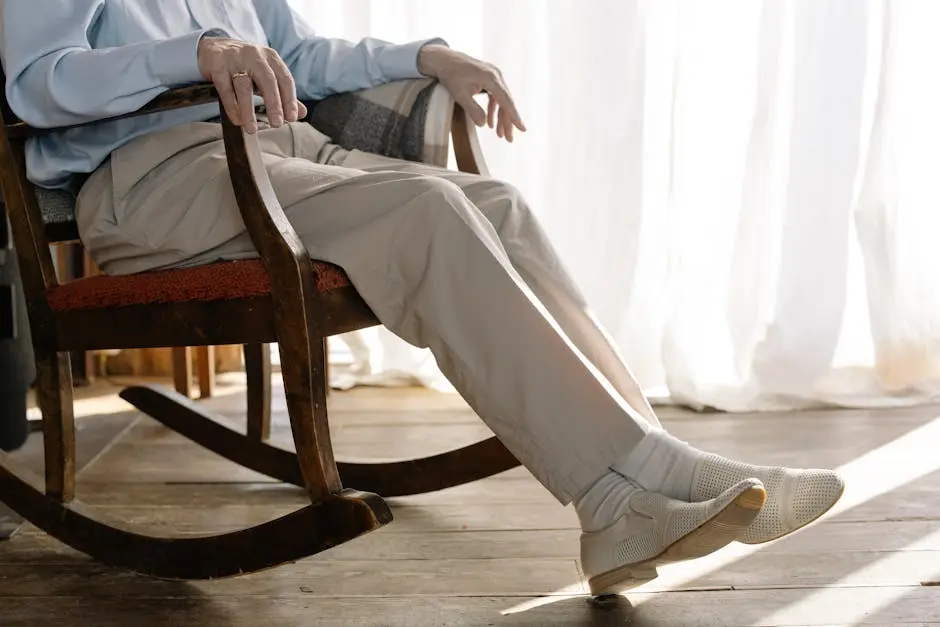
x,y
500,551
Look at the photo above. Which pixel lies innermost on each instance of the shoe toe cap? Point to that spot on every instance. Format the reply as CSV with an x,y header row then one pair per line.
x,y
815,492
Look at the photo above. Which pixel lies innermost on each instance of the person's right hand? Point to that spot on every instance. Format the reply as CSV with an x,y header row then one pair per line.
x,y
236,67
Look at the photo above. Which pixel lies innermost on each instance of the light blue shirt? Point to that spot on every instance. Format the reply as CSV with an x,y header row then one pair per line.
x,y
71,61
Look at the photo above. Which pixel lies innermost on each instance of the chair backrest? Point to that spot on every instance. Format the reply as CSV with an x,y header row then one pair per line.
x,y
19,196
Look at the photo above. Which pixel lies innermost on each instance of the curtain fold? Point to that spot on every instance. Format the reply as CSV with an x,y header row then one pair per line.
x,y
746,190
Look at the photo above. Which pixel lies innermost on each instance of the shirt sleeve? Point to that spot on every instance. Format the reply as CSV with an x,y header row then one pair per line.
x,y
322,66
55,78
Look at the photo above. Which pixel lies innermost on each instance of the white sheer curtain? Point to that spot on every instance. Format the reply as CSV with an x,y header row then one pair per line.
x,y
748,191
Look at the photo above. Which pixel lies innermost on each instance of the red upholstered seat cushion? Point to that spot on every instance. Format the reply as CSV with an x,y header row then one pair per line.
x,y
219,281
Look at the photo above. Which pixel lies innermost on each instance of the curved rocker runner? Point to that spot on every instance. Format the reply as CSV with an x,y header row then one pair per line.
x,y
307,531
390,479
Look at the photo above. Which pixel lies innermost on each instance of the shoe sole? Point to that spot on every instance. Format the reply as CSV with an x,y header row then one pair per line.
x,y
795,529
717,532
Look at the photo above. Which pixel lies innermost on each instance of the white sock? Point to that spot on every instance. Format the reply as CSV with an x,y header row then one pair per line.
x,y
661,463
603,503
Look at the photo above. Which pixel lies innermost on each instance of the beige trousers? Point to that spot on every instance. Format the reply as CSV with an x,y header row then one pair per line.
x,y
446,260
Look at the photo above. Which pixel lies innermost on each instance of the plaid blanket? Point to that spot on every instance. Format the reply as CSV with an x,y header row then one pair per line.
x,y
405,119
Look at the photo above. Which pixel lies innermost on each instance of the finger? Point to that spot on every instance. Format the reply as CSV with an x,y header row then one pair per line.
x,y
223,85
301,110
266,80
244,95
491,111
473,109
499,89
505,124
288,89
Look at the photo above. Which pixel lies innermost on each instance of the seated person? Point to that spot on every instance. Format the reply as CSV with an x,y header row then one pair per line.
x,y
446,260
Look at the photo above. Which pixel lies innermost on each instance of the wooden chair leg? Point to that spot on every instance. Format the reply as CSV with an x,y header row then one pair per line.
x,y
258,375
182,369
326,365
302,362
205,370
54,396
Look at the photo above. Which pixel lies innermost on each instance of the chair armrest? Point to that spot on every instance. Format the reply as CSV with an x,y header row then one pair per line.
x,y
189,96
285,258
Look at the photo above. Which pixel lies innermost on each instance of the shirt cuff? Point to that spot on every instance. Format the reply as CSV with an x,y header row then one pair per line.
x,y
401,62
175,61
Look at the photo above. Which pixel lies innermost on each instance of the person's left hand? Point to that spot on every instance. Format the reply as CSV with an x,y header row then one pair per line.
x,y
465,77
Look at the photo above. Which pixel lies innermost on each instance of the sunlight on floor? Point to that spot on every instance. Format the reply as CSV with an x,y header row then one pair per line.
x,y
102,398
573,591
97,405
875,599
878,472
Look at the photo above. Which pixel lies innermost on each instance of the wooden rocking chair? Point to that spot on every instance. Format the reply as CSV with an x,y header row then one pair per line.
x,y
283,297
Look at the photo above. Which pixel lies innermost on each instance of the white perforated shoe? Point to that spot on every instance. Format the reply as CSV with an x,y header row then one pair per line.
x,y
795,498
657,530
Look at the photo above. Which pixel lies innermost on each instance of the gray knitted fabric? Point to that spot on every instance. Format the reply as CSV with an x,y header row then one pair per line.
x,y
57,206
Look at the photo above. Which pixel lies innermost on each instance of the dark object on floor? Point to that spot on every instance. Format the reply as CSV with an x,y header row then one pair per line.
x,y
17,369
